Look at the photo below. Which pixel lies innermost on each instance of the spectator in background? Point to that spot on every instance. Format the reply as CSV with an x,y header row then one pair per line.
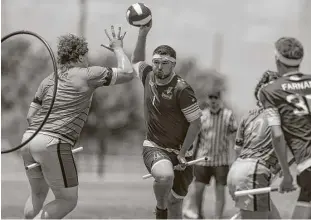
x,y
214,140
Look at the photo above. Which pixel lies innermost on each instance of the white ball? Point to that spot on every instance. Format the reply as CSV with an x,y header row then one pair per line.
x,y
138,14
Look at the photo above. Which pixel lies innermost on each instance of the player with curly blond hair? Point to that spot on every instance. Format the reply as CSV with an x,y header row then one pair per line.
x,y
51,148
287,103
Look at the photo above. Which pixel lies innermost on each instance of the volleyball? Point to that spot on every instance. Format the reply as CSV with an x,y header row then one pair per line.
x,y
138,14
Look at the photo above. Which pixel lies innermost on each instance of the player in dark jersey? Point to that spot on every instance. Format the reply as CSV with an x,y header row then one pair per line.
x,y
172,119
52,146
256,159
288,107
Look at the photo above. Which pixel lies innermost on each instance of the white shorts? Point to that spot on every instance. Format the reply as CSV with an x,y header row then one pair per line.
x,y
246,174
57,165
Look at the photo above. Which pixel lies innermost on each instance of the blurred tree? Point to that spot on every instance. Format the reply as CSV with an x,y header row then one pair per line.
x,y
83,17
22,69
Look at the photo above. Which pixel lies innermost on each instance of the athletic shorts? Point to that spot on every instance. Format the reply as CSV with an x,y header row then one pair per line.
x,y
182,180
57,165
246,174
204,174
304,182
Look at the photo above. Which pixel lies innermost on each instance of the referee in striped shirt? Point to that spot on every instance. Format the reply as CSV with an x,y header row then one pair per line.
x,y
214,140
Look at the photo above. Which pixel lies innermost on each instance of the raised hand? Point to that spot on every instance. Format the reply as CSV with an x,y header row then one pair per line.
x,y
143,30
116,41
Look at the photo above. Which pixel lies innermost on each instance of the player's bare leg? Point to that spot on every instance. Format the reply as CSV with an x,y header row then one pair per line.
x,y
193,200
174,207
302,210
198,197
220,200
34,203
65,201
163,173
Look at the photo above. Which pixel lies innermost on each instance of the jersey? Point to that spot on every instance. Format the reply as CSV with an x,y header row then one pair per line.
x,y
73,99
168,108
254,137
290,97
215,137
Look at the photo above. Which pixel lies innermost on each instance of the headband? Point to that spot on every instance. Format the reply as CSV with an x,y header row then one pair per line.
x,y
287,61
164,57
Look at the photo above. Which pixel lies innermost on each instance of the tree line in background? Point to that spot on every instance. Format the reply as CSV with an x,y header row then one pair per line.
x,y
116,112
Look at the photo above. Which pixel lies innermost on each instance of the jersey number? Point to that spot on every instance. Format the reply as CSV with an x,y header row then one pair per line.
x,y
302,104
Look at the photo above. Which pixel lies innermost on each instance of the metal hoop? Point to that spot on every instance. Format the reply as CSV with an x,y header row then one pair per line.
x,y
55,84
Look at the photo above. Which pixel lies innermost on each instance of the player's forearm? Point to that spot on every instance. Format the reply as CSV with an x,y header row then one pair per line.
x,y
139,53
237,150
32,112
124,64
191,135
280,149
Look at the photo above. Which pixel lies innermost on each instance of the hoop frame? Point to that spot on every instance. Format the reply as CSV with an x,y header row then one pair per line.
x,y
55,84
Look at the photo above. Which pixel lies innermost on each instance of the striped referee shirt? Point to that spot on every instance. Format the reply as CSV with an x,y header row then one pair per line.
x,y
215,137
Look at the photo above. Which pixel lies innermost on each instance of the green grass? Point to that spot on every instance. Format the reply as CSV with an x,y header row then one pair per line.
x,y
121,193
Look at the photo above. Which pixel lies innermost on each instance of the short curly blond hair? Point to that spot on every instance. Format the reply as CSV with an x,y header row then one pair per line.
x,y
70,47
290,48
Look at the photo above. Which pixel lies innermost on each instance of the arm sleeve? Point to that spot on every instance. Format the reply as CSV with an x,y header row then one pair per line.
x,y
239,140
189,105
101,76
142,69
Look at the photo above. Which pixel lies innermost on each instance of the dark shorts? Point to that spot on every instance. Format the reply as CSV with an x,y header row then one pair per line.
x,y
304,182
204,174
182,179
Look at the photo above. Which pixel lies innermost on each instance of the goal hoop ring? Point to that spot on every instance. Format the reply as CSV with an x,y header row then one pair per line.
x,y
55,83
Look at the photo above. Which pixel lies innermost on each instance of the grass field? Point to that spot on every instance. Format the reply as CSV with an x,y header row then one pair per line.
x,y
120,193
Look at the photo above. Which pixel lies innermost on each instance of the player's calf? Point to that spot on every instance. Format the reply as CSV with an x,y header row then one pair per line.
x,y
175,206
66,200
34,204
163,173
39,191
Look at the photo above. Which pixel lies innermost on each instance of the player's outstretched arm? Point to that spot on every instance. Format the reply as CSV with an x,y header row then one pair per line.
x,y
124,70
139,53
